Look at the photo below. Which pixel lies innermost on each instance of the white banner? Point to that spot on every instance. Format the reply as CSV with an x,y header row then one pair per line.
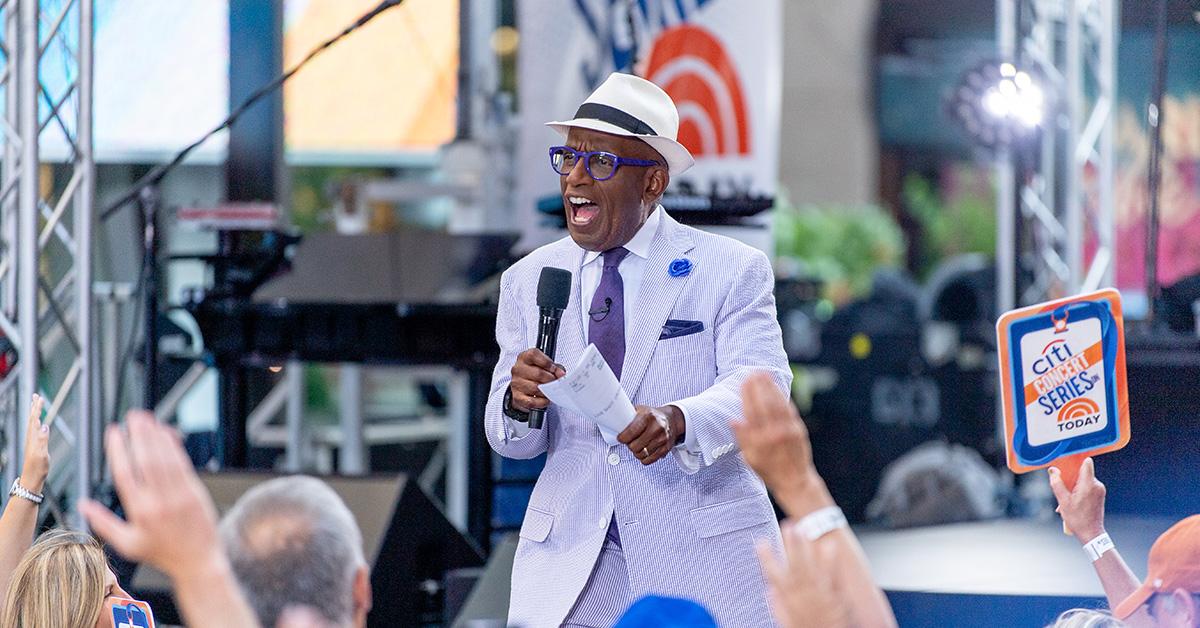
x,y
720,60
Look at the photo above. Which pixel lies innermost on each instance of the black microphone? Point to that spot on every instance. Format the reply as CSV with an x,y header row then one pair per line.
x,y
553,292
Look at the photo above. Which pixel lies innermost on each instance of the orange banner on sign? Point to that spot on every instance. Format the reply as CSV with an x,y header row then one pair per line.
x,y
1055,376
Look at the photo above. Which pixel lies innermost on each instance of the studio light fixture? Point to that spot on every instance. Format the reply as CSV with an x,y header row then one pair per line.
x,y
998,104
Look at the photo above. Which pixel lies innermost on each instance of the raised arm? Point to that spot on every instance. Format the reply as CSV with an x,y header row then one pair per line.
x,y
19,521
172,522
1082,511
825,567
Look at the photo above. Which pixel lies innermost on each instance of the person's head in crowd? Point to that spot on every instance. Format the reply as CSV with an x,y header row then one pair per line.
x,y
1171,591
63,581
653,611
292,541
1086,618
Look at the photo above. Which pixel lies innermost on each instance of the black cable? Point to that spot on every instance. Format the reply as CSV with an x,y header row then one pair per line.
x,y
160,171
135,330
1155,118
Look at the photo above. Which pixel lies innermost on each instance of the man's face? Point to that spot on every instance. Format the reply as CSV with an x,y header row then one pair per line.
x,y
606,214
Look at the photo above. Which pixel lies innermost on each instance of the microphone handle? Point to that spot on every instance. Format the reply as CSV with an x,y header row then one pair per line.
x,y
547,342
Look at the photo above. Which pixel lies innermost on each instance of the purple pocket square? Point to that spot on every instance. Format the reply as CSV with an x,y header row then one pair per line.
x,y
676,329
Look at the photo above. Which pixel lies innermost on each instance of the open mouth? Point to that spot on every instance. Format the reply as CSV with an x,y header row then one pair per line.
x,y
582,210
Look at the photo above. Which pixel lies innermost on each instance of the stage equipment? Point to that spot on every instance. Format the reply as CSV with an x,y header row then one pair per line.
x,y
998,104
46,248
1178,306
479,597
937,483
1154,173
1154,474
145,192
408,544
1057,193
996,574
884,401
908,365
800,316
401,298
689,209
405,296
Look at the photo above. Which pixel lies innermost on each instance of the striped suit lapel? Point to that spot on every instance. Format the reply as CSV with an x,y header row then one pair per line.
x,y
572,332
655,301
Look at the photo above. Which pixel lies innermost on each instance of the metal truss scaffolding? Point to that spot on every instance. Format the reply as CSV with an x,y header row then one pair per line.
x,y
1055,199
46,216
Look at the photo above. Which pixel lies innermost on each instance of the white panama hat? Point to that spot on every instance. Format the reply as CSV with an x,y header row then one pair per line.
x,y
631,106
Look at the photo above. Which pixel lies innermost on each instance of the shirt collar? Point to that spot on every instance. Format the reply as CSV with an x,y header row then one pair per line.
x,y
639,244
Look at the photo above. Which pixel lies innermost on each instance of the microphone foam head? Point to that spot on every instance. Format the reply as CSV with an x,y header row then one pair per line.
x,y
554,288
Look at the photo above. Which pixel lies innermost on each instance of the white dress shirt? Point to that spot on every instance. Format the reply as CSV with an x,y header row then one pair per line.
x,y
632,268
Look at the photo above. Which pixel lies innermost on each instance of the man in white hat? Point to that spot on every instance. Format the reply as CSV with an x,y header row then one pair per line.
x,y
668,506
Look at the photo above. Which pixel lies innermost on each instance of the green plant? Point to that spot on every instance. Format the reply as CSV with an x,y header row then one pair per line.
x,y
839,245
963,224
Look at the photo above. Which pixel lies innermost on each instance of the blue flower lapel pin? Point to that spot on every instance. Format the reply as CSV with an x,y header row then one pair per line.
x,y
680,267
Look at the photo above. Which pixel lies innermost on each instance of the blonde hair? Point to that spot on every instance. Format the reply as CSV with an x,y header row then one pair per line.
x,y
59,583
1086,618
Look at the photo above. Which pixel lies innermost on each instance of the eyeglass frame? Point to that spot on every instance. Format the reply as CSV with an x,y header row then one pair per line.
x,y
618,161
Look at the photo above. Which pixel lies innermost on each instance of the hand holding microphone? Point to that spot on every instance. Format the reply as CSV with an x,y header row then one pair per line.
x,y
536,366
532,369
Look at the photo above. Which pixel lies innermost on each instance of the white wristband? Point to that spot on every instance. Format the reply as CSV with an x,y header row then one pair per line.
x,y
1096,547
821,522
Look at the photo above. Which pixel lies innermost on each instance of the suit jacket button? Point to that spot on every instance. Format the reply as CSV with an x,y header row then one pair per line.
x,y
614,459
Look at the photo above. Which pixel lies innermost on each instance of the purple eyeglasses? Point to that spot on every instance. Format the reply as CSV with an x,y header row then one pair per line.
x,y
600,165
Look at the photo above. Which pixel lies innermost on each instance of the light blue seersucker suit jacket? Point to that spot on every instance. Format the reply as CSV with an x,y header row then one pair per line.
x,y
688,522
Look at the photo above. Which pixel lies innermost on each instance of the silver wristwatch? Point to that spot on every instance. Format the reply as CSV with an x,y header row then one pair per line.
x,y
21,491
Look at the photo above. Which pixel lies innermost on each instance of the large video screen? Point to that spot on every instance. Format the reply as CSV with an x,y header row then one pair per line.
x,y
161,79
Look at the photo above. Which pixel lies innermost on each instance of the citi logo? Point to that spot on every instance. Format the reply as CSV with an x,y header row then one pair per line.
x,y
691,65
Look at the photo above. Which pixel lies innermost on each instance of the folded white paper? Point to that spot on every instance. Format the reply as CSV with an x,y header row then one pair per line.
x,y
590,389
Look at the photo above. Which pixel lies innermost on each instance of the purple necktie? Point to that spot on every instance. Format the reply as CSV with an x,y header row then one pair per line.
x,y
606,327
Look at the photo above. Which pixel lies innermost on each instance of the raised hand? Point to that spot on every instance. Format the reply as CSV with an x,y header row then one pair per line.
x,y
801,585
1082,509
774,442
36,465
172,522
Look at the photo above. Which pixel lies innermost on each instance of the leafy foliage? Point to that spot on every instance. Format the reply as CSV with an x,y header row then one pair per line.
x,y
839,245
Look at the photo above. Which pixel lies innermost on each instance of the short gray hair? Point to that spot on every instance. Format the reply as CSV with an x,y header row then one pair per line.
x,y
292,540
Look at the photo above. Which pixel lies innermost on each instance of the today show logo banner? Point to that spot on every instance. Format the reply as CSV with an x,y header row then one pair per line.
x,y
720,60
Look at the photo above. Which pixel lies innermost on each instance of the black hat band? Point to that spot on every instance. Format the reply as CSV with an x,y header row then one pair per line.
x,y
614,116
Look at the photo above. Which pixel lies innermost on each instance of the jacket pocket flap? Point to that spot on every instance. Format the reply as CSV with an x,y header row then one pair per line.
x,y
536,526
732,515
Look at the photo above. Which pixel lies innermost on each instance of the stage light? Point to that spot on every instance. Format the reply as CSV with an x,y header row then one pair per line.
x,y
505,41
998,104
